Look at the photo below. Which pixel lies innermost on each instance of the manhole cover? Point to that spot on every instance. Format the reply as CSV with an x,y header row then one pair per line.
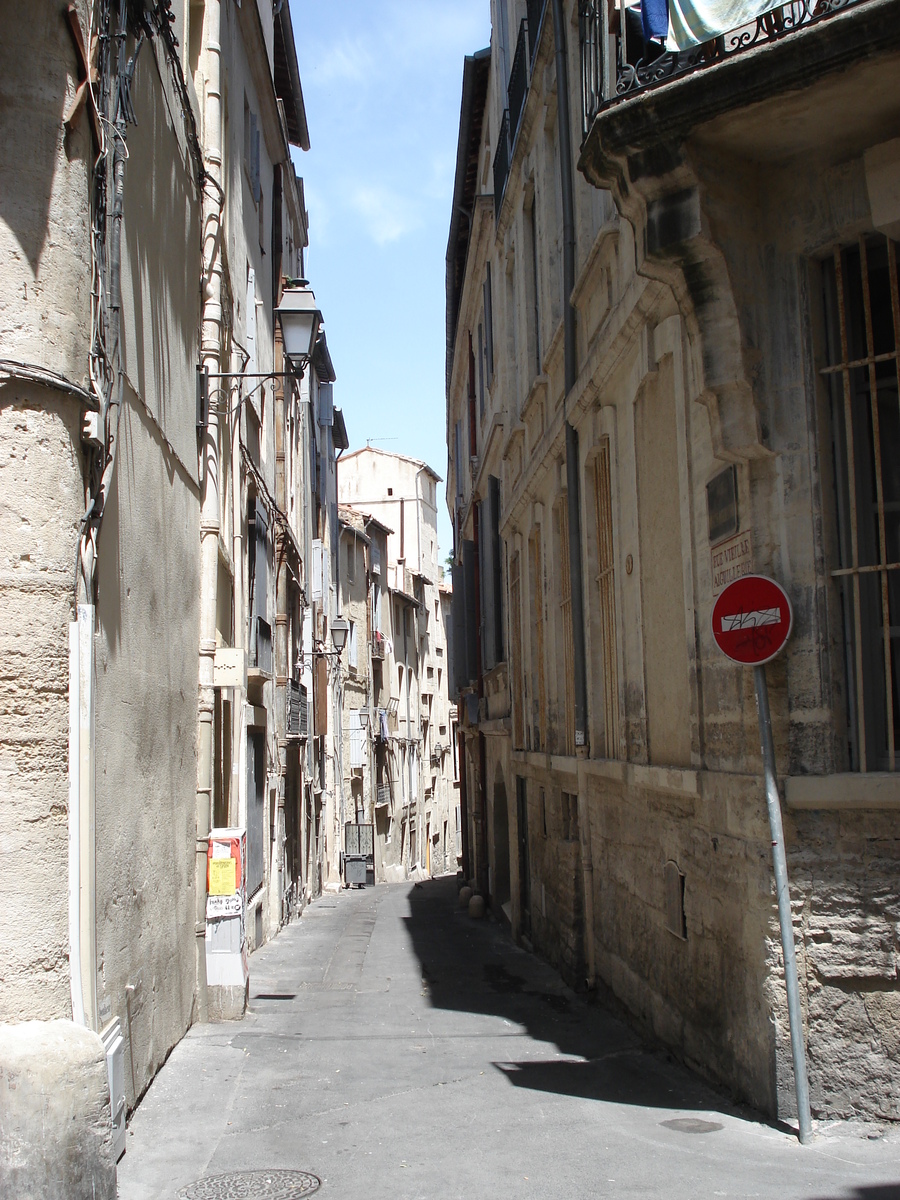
x,y
692,1125
252,1185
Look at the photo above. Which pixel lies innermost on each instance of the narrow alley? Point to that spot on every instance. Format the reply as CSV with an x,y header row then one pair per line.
x,y
396,1048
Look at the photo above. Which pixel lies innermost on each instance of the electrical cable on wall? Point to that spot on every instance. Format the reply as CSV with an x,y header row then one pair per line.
x,y
112,23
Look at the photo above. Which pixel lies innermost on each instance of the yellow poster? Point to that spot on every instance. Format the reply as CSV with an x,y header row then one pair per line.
x,y
222,877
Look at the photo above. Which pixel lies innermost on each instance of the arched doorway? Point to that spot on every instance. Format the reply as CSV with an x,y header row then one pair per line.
x,y
500,891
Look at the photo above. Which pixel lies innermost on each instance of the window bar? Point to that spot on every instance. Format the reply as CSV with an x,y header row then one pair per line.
x,y
854,538
879,494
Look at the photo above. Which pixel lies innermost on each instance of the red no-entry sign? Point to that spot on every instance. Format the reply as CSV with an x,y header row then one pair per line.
x,y
752,619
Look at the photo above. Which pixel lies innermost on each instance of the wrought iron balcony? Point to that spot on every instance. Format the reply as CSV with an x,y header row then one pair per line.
x,y
261,646
639,67
501,163
517,89
534,16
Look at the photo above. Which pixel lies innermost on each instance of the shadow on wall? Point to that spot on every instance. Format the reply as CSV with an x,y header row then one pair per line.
x,y
31,112
470,966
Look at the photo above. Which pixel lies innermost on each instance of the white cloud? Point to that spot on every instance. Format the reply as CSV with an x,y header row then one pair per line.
x,y
345,62
387,214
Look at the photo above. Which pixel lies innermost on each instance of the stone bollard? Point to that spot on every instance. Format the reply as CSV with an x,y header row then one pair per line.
x,y
55,1132
465,895
476,907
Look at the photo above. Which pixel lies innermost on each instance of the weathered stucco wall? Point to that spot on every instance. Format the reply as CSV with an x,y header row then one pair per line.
x,y
40,507
148,607
148,611
55,1131
45,278
44,320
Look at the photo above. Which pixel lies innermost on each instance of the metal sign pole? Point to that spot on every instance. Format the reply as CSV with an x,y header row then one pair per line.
x,y
773,801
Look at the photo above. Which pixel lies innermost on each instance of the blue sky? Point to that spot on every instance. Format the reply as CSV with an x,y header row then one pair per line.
x,y
382,83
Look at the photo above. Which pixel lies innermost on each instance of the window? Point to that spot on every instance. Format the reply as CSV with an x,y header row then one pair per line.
x,y
863,315
569,817
481,370
606,607
488,326
565,613
357,740
251,150
532,289
516,665
353,652
539,699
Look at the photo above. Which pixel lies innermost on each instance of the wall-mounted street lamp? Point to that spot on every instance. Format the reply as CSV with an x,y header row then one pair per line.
x,y
300,321
340,628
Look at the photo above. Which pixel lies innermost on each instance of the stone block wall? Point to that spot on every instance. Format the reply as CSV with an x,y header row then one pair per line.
x,y
40,506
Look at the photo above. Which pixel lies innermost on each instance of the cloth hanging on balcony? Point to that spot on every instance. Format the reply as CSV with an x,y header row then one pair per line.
x,y
693,22
655,20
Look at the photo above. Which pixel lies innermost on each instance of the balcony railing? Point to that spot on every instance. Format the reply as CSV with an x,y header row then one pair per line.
x,y
639,67
517,88
501,163
534,15
298,710
261,646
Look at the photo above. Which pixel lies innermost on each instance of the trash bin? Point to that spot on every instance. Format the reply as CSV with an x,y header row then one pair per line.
x,y
355,869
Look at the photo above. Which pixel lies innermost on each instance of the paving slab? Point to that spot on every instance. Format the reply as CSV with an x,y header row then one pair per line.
x,y
396,1049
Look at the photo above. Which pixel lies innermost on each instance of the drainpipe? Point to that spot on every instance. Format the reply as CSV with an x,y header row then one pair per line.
x,y
82,930
573,488
239,619
481,842
573,492
282,591
210,357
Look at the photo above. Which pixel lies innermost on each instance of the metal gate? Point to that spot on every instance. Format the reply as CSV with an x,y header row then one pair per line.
x,y
359,855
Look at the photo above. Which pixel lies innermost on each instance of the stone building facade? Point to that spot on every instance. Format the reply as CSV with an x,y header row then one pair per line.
x,y
412,718
672,296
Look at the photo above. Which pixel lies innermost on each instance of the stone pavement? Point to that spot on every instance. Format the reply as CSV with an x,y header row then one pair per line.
x,y
398,1049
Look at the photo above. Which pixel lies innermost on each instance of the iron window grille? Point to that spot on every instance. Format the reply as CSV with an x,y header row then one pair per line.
x,y
863,317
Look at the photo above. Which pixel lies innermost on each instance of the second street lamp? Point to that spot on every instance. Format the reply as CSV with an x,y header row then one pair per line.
x,y
339,630
300,321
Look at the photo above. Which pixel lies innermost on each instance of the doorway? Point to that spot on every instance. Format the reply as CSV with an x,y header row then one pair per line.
x,y
524,863
500,817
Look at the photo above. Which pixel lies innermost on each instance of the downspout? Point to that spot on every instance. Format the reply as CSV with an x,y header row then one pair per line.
x,y
210,357
463,802
82,943
571,371
282,591
573,490
238,617
481,869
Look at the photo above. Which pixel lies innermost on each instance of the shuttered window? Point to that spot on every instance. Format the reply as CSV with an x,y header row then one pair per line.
x,y
357,745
